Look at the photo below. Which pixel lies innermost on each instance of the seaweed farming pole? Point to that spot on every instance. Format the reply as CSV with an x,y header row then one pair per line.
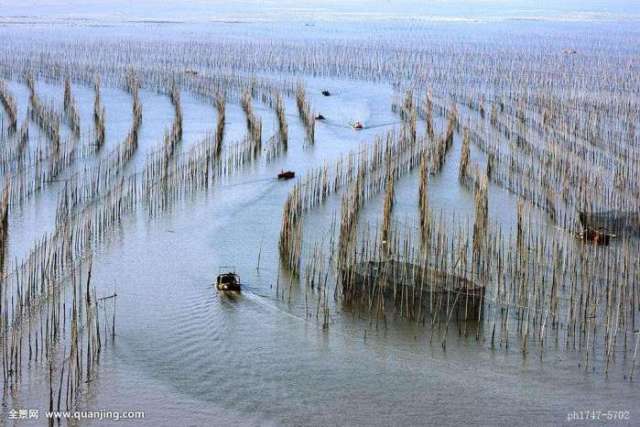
x,y
99,116
165,180
290,243
220,122
127,149
133,87
444,144
423,202
481,220
177,104
428,108
174,136
306,115
463,171
71,109
362,180
10,106
409,115
44,116
283,129
278,143
40,307
388,203
363,174
23,138
254,123
4,232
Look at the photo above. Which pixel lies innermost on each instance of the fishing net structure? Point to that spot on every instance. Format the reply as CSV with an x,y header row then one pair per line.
x,y
613,222
413,288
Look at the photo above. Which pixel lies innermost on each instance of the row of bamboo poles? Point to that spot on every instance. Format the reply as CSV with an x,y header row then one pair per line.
x,y
537,283
10,106
36,308
306,114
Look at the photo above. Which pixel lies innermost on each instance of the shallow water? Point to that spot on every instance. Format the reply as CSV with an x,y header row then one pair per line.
x,y
187,355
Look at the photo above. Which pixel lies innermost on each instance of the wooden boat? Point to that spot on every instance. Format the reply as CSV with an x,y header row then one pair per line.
x,y
326,93
358,125
284,175
319,117
228,282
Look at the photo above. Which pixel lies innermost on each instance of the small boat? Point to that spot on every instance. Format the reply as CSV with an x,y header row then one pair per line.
x,y
326,93
284,175
358,125
228,281
319,117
